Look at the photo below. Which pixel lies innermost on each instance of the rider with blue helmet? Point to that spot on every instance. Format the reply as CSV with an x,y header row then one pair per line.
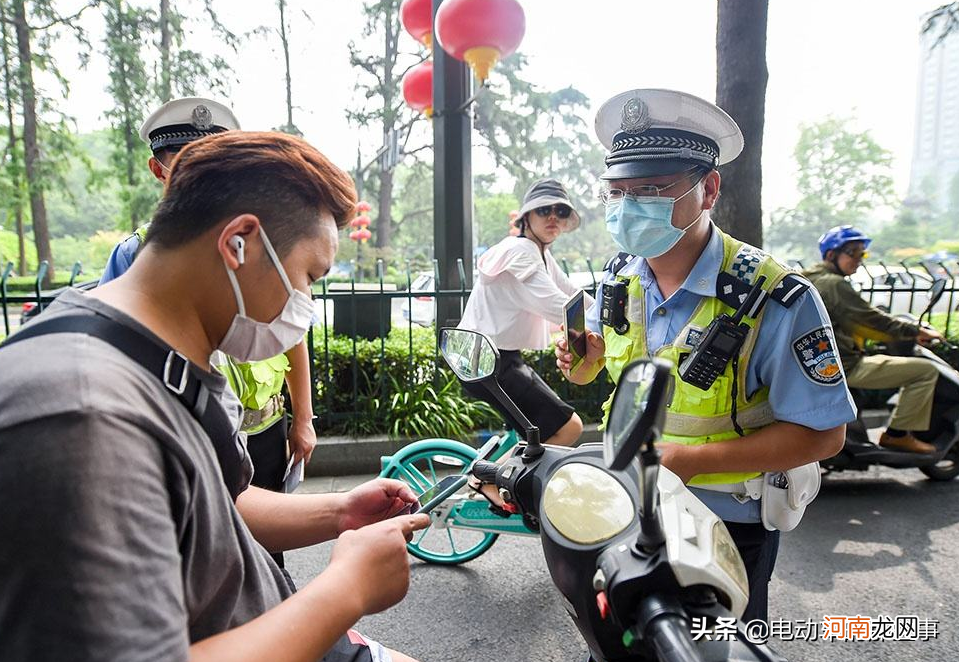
x,y
843,249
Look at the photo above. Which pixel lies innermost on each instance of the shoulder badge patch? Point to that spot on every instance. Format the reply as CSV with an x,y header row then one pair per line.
x,y
616,263
789,289
816,354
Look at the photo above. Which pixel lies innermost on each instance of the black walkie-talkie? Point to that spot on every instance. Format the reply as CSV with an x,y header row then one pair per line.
x,y
721,341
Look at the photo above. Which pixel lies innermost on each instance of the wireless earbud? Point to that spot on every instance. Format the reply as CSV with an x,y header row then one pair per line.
x,y
236,242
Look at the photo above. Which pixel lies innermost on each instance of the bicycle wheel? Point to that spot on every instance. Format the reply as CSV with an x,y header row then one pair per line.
x,y
450,546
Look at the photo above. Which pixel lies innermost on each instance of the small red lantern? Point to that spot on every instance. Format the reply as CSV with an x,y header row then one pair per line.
x,y
417,18
360,222
362,207
363,235
418,88
480,32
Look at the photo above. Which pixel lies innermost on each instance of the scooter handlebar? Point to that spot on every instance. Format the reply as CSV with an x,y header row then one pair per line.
x,y
485,471
671,640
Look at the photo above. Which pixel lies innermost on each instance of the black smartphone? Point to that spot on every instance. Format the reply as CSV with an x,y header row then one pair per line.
x,y
440,492
574,313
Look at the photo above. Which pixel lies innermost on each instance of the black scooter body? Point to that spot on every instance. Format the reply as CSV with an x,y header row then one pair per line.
x,y
629,579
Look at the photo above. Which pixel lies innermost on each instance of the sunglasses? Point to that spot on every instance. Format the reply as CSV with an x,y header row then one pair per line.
x,y
856,255
561,211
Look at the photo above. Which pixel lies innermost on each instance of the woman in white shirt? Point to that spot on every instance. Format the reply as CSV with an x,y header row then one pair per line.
x,y
518,297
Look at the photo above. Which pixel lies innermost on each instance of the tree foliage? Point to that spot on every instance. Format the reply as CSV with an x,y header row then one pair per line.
x,y
843,177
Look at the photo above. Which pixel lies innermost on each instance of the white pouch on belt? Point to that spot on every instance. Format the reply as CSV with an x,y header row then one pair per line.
x,y
786,495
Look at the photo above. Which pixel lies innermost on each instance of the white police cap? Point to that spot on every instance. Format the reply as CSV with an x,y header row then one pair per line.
x,y
181,121
651,132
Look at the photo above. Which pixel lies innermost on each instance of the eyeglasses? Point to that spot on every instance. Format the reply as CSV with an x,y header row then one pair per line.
x,y
642,191
854,254
561,211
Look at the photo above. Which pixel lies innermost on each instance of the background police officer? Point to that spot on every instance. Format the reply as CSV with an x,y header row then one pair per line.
x,y
257,384
781,402
843,248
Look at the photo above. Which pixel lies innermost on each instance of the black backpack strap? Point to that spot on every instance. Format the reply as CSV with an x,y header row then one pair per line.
x,y
173,369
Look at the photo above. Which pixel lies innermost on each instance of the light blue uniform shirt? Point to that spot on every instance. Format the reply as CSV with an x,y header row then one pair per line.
x,y
793,395
120,259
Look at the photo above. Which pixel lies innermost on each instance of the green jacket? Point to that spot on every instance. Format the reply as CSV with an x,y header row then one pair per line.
x,y
853,319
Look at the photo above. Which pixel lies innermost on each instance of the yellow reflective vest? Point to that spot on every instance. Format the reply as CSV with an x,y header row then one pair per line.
x,y
695,416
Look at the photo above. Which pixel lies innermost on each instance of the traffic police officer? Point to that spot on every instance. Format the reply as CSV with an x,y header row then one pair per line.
x,y
780,401
257,384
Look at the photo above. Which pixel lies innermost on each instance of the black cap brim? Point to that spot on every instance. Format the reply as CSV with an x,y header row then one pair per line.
x,y
649,168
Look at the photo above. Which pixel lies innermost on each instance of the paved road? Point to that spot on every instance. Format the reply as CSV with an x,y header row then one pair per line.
x,y
884,542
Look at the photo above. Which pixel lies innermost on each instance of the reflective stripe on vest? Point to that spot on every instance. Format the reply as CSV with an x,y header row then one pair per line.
x,y
695,416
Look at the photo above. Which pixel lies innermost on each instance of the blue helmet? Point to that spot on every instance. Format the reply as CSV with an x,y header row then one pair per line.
x,y
839,236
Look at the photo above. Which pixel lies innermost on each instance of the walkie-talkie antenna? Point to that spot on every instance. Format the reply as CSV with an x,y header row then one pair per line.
x,y
750,300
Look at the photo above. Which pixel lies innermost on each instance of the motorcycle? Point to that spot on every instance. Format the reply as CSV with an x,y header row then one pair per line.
x,y
640,563
859,452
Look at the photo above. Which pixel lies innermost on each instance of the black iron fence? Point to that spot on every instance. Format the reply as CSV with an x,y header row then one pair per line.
x,y
372,340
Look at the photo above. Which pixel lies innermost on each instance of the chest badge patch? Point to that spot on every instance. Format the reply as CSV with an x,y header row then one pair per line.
x,y
816,354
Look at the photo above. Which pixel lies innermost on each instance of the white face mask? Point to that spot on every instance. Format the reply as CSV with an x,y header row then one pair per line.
x,y
250,340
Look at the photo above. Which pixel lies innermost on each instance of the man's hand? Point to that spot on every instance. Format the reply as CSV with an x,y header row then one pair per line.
x,y
595,350
375,560
372,502
928,336
302,439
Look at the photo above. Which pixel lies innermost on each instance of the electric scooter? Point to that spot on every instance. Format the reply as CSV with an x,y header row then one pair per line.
x,y
640,563
859,452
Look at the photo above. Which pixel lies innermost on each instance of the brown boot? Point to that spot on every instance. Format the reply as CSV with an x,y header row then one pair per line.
x,y
906,443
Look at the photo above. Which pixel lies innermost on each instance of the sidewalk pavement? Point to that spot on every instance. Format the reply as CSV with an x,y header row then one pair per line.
x,y
349,456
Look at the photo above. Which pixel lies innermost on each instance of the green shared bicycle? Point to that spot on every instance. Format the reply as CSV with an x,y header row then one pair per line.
x,y
463,526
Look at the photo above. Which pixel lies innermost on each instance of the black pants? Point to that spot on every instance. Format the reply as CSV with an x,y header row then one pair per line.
x,y
759,549
267,450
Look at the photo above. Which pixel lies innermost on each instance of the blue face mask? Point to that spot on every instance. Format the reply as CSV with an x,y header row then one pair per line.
x,y
643,225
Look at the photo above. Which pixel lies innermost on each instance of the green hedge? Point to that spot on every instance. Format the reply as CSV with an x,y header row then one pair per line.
x,y
414,395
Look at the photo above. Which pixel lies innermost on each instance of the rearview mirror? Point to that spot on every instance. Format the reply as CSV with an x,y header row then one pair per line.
x,y
470,355
638,410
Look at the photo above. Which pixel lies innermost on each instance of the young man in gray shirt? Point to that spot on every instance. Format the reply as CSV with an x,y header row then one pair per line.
x,y
119,536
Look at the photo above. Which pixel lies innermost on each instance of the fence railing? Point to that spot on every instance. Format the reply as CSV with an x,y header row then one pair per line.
x,y
376,313
380,313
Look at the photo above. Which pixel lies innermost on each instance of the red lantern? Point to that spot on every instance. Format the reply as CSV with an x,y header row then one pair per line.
x,y
363,234
360,222
418,88
355,235
417,18
480,32
363,207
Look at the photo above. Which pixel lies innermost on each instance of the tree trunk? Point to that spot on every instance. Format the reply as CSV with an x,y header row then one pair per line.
x,y
286,59
165,86
15,180
31,150
741,91
384,220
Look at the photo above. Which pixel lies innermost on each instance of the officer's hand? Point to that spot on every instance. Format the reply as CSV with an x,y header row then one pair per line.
x,y
929,336
595,349
374,560
374,501
302,439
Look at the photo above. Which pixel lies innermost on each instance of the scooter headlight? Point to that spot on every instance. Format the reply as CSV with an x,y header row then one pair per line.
x,y
727,556
587,505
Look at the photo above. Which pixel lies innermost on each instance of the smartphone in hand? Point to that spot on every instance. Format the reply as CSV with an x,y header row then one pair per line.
x,y
440,492
574,313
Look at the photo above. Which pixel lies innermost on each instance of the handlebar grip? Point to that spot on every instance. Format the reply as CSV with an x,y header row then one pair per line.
x,y
671,640
485,471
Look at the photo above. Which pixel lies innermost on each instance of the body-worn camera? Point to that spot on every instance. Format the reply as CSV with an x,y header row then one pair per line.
x,y
613,309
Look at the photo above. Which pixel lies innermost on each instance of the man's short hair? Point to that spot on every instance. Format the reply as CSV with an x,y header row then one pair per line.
x,y
281,179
